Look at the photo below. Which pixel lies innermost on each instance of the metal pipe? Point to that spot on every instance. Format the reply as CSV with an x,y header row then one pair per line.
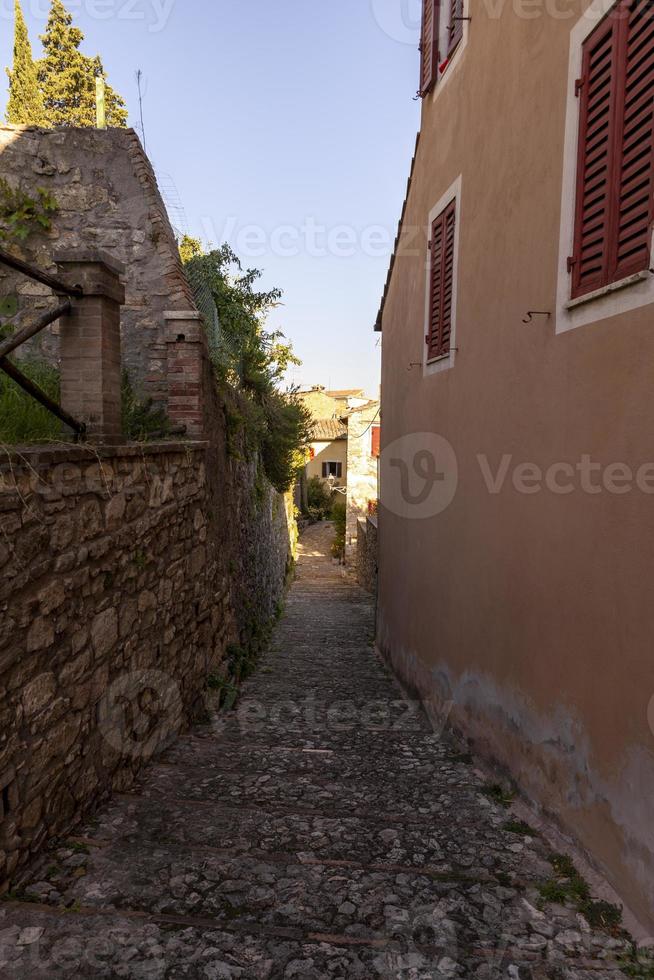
x,y
40,396
11,343
27,270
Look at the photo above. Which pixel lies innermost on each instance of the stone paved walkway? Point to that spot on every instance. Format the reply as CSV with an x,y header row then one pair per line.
x,y
303,838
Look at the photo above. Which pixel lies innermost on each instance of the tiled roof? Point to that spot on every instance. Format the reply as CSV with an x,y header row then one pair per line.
x,y
371,403
346,393
327,430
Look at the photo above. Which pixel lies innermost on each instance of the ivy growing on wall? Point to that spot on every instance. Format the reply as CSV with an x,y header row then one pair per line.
x,y
21,215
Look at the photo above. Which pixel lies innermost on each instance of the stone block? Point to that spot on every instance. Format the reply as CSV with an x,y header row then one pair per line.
x,y
40,635
104,632
38,694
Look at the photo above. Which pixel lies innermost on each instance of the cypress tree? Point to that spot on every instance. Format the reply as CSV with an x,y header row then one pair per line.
x,y
67,77
25,106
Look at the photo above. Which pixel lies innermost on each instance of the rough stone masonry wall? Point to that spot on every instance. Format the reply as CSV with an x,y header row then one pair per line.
x,y
108,199
124,578
361,473
367,555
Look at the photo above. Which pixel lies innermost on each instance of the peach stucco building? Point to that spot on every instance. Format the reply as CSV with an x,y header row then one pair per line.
x,y
517,486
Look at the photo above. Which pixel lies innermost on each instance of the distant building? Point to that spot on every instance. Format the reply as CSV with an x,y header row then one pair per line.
x,y
328,452
344,451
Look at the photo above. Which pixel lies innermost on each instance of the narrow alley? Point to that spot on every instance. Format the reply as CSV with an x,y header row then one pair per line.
x,y
309,833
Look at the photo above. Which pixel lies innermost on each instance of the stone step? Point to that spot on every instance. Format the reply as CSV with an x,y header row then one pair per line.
x,y
376,754
331,793
367,904
38,944
471,839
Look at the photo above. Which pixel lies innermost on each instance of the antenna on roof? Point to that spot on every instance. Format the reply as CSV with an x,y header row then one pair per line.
x,y
139,79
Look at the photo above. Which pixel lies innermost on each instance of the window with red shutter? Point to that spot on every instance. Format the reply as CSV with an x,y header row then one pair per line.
x,y
429,45
456,25
613,219
375,442
441,283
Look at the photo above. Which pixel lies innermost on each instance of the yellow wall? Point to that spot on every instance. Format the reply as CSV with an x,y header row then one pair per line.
x,y
329,452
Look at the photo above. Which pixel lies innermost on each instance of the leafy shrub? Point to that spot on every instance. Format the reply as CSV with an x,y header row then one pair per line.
x,y
319,499
142,420
22,419
250,360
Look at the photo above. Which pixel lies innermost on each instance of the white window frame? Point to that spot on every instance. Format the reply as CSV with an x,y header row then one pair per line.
x,y
619,297
443,45
336,463
446,361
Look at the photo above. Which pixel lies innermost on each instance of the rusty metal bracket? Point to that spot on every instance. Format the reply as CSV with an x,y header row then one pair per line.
x,y
532,313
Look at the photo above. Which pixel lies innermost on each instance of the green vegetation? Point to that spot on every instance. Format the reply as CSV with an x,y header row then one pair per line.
x,y
499,794
339,514
67,77
22,215
141,419
249,362
639,964
22,419
568,887
519,827
25,106
319,499
18,895
60,88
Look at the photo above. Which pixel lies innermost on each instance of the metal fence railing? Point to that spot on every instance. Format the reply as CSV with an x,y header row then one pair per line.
x,y
30,329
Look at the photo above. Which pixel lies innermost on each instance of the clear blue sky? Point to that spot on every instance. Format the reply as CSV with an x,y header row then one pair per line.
x,y
286,116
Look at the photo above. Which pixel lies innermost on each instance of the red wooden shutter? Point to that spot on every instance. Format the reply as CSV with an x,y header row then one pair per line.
x,y
632,239
441,283
456,24
448,278
375,446
615,182
594,164
429,45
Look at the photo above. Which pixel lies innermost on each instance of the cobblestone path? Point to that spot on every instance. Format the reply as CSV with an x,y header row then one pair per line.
x,y
319,831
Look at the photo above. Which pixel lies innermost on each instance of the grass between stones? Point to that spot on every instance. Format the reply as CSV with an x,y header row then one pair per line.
x,y
567,886
639,964
499,794
519,827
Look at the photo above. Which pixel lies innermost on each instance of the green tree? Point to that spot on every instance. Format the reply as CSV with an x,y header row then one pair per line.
x,y
67,77
25,106
251,359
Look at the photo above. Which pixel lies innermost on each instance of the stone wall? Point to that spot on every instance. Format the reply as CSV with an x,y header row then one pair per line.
x,y
128,576
361,472
108,199
367,555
